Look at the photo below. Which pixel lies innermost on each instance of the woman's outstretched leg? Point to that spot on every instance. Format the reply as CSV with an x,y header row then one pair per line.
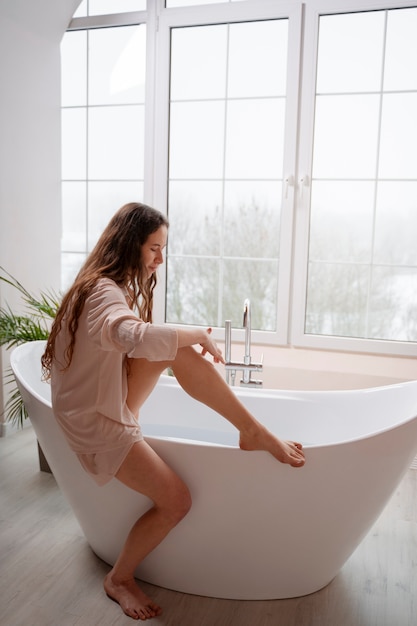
x,y
200,379
144,471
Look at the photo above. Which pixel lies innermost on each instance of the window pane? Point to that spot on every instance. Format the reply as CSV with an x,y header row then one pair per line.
x,y
341,224
337,299
117,60
104,199
201,74
116,142
345,136
195,217
257,280
255,138
74,69
196,140
394,304
399,136
401,53
258,69
70,266
193,301
74,144
350,52
74,210
252,219
396,224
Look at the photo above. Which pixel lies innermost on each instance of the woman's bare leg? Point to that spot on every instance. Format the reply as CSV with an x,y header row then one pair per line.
x,y
144,471
200,379
141,379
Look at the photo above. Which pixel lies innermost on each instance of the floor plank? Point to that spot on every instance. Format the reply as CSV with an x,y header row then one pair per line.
x,y
50,577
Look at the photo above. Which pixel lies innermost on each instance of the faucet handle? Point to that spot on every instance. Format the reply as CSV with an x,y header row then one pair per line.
x,y
259,365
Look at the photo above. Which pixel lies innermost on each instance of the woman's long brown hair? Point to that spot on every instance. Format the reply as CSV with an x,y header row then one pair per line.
x,y
117,255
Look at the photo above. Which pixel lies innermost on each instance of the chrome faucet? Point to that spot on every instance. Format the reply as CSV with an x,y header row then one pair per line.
x,y
246,367
247,325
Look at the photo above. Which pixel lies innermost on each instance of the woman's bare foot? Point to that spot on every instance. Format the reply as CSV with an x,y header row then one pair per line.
x,y
132,600
259,438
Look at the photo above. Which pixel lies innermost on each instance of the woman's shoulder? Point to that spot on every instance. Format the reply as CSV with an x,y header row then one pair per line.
x,y
108,284
106,288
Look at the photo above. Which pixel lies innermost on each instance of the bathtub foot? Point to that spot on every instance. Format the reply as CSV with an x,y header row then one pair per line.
x,y
43,463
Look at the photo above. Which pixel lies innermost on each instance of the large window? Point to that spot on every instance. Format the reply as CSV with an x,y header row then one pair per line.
x,y
362,270
281,146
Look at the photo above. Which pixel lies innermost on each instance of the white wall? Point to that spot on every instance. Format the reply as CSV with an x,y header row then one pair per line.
x,y
30,198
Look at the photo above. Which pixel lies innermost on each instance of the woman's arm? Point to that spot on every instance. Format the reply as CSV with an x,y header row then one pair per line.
x,y
193,336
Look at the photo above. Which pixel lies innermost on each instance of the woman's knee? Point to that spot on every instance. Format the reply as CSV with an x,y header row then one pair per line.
x,y
178,503
186,358
183,501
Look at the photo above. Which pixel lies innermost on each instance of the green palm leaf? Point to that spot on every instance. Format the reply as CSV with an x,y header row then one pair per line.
x,y
14,407
16,329
46,306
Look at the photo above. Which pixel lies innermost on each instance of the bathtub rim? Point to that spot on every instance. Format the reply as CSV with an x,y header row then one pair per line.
x,y
170,381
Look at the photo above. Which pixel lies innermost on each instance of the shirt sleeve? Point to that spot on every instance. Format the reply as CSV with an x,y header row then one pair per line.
x,y
113,326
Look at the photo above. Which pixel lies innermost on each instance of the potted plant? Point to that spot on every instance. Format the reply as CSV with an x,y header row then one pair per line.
x,y
16,328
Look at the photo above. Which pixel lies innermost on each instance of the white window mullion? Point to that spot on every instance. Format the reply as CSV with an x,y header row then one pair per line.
x,y
290,182
158,136
150,99
304,169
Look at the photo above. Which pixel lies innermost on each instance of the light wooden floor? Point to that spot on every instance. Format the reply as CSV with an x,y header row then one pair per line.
x,y
50,577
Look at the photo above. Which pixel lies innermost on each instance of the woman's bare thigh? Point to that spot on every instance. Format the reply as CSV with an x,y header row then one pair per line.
x,y
142,376
144,471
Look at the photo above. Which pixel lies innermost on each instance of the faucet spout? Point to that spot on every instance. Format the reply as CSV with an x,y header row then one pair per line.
x,y
247,325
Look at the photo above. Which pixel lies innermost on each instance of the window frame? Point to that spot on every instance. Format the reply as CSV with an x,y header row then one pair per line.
x,y
301,79
298,338
234,13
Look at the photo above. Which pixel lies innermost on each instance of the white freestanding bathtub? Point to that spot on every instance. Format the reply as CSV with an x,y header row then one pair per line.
x,y
257,529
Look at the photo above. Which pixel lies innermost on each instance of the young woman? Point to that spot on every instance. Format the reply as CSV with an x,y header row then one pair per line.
x,y
104,357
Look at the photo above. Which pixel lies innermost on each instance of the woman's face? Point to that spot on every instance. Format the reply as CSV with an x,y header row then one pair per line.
x,y
152,250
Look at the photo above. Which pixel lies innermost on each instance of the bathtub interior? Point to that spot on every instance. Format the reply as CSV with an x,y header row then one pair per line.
x,y
299,378
315,418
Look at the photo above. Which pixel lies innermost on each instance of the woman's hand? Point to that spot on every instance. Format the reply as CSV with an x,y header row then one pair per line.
x,y
210,346
194,336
